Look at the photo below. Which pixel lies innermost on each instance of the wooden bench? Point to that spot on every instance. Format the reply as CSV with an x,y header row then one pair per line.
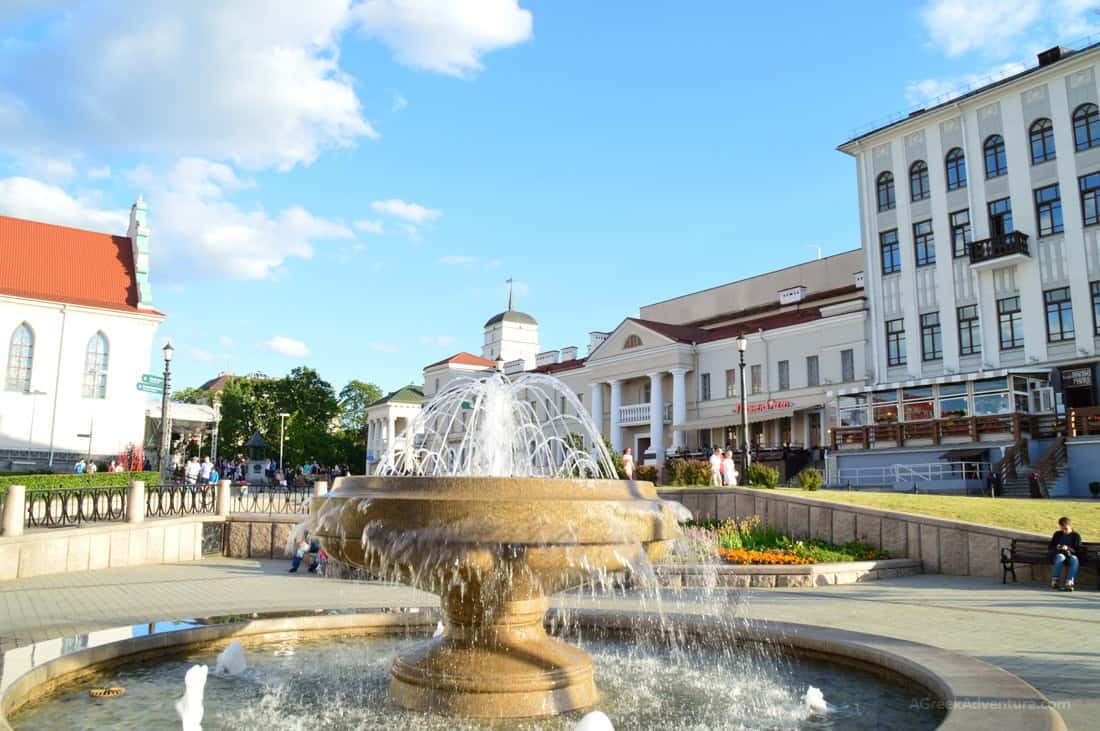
x,y
1034,551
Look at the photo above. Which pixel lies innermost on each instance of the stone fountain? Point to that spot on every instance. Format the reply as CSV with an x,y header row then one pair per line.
x,y
495,505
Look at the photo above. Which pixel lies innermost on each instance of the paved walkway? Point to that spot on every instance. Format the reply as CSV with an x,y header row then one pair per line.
x,y
1050,639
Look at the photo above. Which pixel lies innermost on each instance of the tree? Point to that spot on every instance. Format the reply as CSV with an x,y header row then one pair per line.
x,y
192,395
354,400
311,402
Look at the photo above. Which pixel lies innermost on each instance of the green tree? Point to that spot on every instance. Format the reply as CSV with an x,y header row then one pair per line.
x,y
192,395
311,402
354,400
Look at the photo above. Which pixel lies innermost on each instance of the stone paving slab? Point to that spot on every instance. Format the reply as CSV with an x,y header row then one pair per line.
x,y
1051,639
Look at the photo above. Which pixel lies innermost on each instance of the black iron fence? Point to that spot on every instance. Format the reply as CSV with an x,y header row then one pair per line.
x,y
253,499
69,506
169,501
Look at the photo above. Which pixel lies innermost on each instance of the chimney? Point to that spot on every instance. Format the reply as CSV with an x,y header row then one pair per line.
x,y
569,353
1051,55
546,358
138,233
595,340
514,366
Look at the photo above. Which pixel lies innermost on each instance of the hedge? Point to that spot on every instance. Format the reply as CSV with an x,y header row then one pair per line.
x,y
687,472
98,479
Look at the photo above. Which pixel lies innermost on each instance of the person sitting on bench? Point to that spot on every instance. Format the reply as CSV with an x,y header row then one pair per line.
x,y
308,549
1064,547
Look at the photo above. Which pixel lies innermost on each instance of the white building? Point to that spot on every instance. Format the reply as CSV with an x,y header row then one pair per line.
x,y
513,337
387,419
76,323
980,221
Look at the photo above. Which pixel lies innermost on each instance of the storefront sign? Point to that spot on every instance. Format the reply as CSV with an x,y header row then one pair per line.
x,y
1077,377
766,406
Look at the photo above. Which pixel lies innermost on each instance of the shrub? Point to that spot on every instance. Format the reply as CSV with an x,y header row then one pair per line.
x,y
762,476
810,479
616,459
685,472
646,473
99,479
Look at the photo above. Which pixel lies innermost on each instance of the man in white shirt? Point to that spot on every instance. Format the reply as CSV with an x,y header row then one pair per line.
x,y
204,470
716,468
192,471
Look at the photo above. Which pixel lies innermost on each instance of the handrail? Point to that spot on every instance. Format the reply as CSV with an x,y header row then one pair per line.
x,y
1084,421
1050,464
1009,465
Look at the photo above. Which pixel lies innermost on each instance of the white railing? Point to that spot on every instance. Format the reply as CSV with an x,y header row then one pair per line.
x,y
636,414
898,476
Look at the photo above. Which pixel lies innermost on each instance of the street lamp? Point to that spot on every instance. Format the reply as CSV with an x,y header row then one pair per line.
x,y
282,433
165,416
742,346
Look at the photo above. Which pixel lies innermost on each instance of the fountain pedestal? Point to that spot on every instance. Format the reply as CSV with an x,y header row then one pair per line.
x,y
494,550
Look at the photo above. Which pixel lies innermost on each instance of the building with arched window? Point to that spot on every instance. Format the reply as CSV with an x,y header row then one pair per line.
x,y
76,327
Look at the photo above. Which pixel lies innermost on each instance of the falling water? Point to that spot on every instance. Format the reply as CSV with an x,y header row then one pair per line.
x,y
531,425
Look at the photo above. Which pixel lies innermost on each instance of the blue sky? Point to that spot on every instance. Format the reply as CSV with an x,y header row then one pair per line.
x,y
348,186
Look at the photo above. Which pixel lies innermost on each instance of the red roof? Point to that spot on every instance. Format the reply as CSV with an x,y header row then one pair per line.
x,y
689,334
61,264
463,359
565,365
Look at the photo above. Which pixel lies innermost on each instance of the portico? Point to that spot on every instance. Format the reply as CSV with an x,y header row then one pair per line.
x,y
388,417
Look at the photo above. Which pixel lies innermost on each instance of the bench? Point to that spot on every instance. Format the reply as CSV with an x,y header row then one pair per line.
x,y
1034,551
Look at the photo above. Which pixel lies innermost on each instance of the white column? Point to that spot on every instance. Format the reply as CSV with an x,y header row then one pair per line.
x,y
805,429
657,417
616,409
596,411
679,405
391,426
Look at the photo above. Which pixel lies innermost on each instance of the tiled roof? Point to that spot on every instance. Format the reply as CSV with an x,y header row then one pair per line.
x,y
565,365
463,359
61,264
689,334
216,384
406,395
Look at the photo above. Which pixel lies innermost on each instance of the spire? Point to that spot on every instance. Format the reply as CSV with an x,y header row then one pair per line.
x,y
510,308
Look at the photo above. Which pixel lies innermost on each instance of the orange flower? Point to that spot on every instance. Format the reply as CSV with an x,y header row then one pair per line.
x,y
741,556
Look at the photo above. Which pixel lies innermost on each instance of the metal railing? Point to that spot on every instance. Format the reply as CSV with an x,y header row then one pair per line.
x,y
907,474
254,499
996,247
71,506
169,501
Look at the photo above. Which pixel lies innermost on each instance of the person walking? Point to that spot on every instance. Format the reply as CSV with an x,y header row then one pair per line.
x,y
716,468
628,463
729,470
191,472
204,469
1064,551
79,467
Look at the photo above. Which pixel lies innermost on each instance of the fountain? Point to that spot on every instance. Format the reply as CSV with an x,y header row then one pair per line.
x,y
494,504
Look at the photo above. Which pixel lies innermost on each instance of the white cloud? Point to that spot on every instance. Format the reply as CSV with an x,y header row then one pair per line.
x,y
286,346
439,341
933,91
448,36
98,173
399,103
225,341
960,26
370,226
411,212
378,347
458,260
206,80
44,167
26,198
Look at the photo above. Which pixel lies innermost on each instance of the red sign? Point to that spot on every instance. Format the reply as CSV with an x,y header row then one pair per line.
x,y
766,406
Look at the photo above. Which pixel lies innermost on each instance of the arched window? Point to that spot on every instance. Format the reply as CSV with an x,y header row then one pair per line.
x,y
1042,141
956,169
95,367
886,191
1086,126
995,163
918,180
20,359
632,341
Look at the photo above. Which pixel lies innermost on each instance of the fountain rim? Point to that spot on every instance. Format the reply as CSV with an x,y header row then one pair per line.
x,y
976,694
476,488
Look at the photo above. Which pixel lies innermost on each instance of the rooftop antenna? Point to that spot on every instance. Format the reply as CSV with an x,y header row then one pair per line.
x,y
816,246
509,281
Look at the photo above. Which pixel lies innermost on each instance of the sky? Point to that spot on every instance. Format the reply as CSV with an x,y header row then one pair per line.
x,y
348,184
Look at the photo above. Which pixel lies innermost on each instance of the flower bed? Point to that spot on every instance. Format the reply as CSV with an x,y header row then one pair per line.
x,y
751,542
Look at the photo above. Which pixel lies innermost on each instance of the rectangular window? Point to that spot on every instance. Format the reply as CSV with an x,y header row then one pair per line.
x,y
784,372
704,387
1059,315
931,337
895,342
891,255
813,371
924,243
1048,210
847,365
731,383
757,377
1010,323
1094,288
1090,198
970,331
960,233
1000,217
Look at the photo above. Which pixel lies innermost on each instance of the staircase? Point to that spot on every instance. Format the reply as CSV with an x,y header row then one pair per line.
x,y
1050,468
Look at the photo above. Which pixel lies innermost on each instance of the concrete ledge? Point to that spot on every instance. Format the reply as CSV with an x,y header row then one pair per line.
x,y
725,575
260,535
102,545
977,696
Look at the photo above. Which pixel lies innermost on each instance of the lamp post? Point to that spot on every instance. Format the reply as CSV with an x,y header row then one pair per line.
x,y
165,415
742,346
282,427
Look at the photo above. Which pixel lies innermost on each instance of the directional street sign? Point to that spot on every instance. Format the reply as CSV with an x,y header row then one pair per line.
x,y
148,388
150,379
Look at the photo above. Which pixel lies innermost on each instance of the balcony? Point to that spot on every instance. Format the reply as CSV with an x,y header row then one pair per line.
x,y
638,414
999,251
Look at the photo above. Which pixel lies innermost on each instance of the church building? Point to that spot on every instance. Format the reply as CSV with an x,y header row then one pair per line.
x,y
77,323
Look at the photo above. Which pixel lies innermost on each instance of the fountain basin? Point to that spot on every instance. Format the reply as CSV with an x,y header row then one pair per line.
x,y
494,550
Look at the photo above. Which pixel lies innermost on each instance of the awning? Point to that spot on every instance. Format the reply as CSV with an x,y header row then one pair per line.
x,y
734,419
952,378
183,413
965,455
